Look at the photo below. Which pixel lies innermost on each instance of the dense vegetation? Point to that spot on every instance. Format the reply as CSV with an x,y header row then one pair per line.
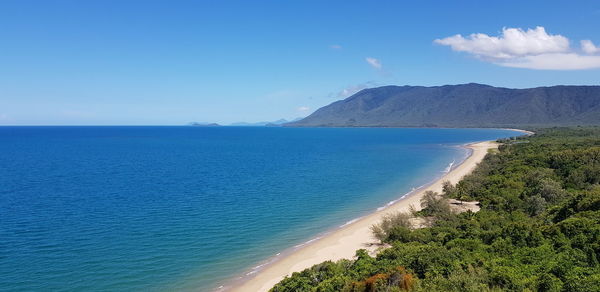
x,y
464,105
538,229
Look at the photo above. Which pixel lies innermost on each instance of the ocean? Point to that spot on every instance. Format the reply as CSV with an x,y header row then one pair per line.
x,y
191,208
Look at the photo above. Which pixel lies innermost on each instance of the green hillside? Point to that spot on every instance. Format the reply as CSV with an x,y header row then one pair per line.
x,y
466,105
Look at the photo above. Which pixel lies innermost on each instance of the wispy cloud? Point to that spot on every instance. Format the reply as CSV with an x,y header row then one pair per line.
x,y
303,109
375,63
352,89
4,117
531,48
335,47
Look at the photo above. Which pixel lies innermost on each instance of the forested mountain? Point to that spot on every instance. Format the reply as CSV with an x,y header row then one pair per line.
x,y
465,105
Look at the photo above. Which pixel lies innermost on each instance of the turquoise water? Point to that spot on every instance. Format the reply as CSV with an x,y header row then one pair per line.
x,y
189,208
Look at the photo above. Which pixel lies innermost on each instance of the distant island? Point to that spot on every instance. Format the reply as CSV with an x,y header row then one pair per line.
x,y
196,124
464,105
276,123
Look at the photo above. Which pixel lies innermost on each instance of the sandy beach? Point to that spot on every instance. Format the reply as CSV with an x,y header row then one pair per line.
x,y
343,242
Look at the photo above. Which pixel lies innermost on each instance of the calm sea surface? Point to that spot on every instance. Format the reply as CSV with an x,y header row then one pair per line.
x,y
187,208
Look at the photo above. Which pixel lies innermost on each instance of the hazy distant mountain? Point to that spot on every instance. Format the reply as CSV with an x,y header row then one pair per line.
x,y
260,124
465,105
196,124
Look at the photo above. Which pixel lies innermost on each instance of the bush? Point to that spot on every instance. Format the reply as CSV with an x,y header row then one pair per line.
x,y
389,223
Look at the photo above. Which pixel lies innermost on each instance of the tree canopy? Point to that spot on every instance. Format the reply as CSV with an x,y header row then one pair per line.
x,y
538,228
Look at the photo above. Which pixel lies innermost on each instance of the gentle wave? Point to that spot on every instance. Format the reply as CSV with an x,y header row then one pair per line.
x,y
449,167
350,222
308,242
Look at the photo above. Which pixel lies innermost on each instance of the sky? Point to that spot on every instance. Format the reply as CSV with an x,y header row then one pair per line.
x,y
173,62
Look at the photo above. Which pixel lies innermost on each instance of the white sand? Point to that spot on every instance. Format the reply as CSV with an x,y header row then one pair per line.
x,y
344,242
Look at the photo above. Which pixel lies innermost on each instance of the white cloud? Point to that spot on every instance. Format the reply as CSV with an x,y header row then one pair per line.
x,y
335,47
374,63
303,109
589,48
531,48
514,42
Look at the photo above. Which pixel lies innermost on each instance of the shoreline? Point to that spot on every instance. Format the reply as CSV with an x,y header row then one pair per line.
x,y
355,234
527,133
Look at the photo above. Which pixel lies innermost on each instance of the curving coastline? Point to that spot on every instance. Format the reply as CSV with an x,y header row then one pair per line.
x,y
356,234
525,132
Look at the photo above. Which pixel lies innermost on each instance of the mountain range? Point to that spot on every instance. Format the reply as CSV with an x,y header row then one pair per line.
x,y
464,105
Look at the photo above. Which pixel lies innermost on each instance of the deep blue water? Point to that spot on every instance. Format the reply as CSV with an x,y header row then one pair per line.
x,y
186,208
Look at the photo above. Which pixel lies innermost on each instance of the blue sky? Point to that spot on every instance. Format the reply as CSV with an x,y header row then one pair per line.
x,y
173,62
